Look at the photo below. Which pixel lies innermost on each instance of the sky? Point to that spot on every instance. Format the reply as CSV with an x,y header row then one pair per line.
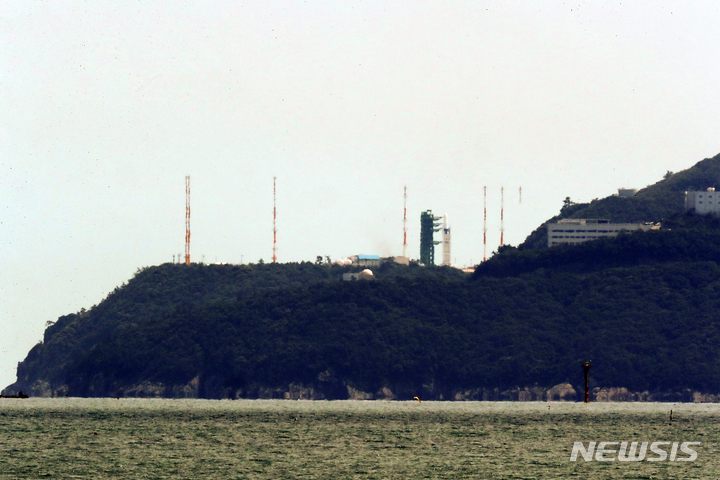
x,y
105,107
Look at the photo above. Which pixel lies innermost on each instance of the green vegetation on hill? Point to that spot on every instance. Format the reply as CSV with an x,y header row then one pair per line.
x,y
135,316
434,338
655,203
647,327
684,238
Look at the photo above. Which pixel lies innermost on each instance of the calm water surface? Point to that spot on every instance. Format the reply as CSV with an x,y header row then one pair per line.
x,y
277,439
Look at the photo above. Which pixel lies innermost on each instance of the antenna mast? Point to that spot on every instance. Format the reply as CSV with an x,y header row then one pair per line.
x,y
274,222
405,221
187,220
484,223
502,210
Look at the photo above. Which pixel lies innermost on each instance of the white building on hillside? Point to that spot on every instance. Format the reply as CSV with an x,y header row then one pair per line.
x,y
579,230
366,260
703,202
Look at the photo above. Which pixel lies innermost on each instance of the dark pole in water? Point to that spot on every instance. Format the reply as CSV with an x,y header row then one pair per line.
x,y
586,367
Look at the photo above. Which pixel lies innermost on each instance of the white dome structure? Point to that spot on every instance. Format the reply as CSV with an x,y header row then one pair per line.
x,y
366,274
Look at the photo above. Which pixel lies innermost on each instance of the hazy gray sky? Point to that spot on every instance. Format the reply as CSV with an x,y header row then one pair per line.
x,y
106,106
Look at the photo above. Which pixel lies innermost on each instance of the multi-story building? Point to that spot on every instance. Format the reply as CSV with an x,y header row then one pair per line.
x,y
366,260
579,230
703,202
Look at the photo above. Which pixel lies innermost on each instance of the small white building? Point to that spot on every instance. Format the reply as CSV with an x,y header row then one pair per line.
x,y
703,202
366,260
578,230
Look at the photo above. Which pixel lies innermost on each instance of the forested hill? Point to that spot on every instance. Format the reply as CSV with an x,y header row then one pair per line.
x,y
290,331
642,306
683,238
655,203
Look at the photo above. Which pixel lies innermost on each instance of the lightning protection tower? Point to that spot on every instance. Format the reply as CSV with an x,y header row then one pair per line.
x,y
502,215
428,226
405,221
274,222
187,220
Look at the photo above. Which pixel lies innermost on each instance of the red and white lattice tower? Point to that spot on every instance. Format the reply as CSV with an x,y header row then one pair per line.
x,y
502,213
187,220
274,222
405,221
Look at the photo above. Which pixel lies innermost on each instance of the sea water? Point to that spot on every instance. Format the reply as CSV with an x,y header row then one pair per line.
x,y
279,439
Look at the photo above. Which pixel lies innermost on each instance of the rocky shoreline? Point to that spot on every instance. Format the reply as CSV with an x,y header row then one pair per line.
x,y
564,392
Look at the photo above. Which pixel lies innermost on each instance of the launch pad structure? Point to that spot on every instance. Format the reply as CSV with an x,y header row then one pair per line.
x,y
429,224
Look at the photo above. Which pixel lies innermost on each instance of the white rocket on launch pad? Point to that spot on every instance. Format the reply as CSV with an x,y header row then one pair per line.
x,y
446,241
